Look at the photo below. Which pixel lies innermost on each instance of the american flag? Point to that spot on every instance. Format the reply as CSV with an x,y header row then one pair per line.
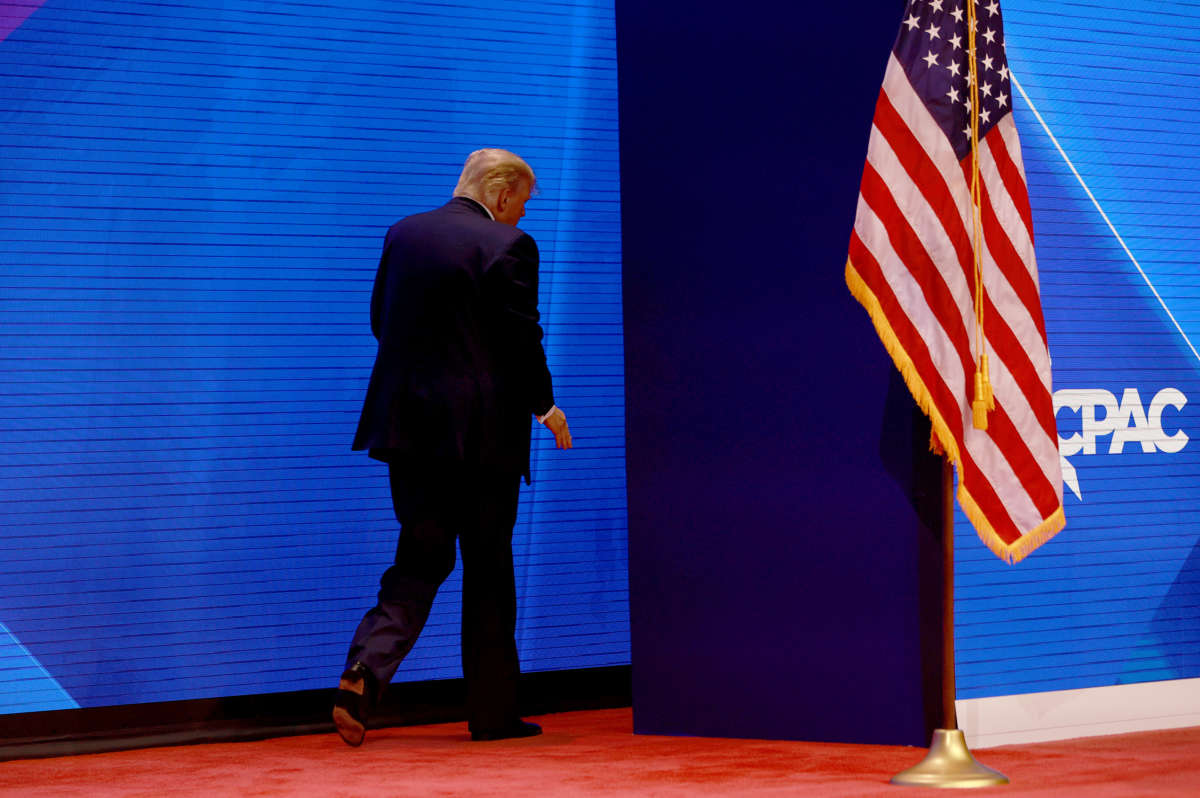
x,y
912,265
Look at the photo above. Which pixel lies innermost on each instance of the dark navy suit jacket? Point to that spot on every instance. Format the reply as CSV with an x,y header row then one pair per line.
x,y
460,366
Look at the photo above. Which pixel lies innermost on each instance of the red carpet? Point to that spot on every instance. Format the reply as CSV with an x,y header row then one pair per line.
x,y
594,753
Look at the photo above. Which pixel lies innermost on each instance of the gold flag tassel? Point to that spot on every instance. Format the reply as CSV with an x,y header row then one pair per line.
x,y
983,401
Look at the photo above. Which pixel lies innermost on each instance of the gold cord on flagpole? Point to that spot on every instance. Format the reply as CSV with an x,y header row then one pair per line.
x,y
984,401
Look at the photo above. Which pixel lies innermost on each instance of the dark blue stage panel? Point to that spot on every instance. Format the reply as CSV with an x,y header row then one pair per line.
x,y
194,200
775,555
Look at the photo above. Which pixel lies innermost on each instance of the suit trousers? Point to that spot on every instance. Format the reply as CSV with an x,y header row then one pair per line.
x,y
435,506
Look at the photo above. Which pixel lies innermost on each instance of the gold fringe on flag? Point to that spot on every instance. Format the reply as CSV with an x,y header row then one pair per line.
x,y
941,436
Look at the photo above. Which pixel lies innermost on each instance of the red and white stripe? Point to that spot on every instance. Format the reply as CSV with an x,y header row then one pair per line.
x,y
912,249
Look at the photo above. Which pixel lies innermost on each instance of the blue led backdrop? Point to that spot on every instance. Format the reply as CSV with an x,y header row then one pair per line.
x,y
194,200
1113,162
194,197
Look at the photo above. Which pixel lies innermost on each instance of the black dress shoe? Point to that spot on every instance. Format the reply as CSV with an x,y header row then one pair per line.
x,y
350,708
521,728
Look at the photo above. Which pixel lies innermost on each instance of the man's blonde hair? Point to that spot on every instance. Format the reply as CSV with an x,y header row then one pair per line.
x,y
489,171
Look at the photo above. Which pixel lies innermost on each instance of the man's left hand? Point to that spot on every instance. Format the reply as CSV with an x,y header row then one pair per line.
x,y
556,422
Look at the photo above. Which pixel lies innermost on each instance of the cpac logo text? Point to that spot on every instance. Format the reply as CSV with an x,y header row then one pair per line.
x,y
1128,421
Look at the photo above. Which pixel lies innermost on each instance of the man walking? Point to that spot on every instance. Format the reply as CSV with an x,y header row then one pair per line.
x,y
459,371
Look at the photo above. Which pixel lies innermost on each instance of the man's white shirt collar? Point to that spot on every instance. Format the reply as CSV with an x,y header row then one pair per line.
x,y
488,210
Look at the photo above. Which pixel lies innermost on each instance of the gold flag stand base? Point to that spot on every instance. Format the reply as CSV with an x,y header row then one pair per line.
x,y
949,764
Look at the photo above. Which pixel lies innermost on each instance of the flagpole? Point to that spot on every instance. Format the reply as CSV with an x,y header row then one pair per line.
x,y
949,762
949,677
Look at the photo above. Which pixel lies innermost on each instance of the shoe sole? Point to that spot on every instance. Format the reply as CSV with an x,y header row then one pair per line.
x,y
350,730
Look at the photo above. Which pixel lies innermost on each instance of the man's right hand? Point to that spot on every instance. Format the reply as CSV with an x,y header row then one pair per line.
x,y
556,422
